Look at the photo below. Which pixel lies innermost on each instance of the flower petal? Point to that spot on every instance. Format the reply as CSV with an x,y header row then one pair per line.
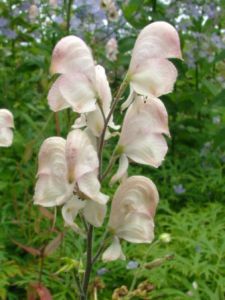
x,y
52,187
89,185
137,228
6,118
103,89
133,208
78,92
52,190
95,122
155,77
80,122
122,170
55,99
70,211
81,155
141,137
113,252
6,137
157,40
72,55
94,213
129,100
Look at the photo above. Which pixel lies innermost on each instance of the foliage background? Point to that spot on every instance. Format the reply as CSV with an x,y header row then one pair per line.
x,y
190,182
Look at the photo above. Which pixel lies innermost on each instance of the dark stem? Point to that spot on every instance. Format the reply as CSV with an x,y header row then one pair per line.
x,y
102,138
89,260
88,263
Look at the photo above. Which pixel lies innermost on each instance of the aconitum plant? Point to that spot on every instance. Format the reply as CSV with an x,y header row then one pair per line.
x,y
70,170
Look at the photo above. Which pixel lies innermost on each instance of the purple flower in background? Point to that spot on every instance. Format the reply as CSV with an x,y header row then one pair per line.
x,y
10,34
132,264
59,19
179,189
25,6
102,271
75,22
216,40
3,22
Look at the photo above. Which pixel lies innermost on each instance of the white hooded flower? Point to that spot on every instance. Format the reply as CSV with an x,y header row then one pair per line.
x,y
132,212
150,71
67,173
141,139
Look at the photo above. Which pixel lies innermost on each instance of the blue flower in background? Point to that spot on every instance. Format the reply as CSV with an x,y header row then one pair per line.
x,y
102,271
179,189
10,34
132,264
3,22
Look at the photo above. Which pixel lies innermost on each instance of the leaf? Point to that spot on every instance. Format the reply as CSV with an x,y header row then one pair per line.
x,y
40,290
31,250
53,245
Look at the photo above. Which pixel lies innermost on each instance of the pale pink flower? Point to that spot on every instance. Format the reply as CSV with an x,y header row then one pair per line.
x,y
94,119
72,55
6,125
150,71
67,171
76,87
132,213
112,49
52,187
141,139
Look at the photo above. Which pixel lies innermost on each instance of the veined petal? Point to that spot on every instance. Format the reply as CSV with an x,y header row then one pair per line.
x,y
55,99
89,185
78,92
157,40
51,190
148,151
155,77
51,157
94,213
137,228
141,137
133,208
122,170
113,252
52,187
81,156
70,211
72,55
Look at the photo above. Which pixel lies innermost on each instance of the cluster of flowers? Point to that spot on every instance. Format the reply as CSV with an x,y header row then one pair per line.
x,y
68,169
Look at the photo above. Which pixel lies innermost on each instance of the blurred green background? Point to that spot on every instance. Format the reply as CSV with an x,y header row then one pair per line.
x,y
190,181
